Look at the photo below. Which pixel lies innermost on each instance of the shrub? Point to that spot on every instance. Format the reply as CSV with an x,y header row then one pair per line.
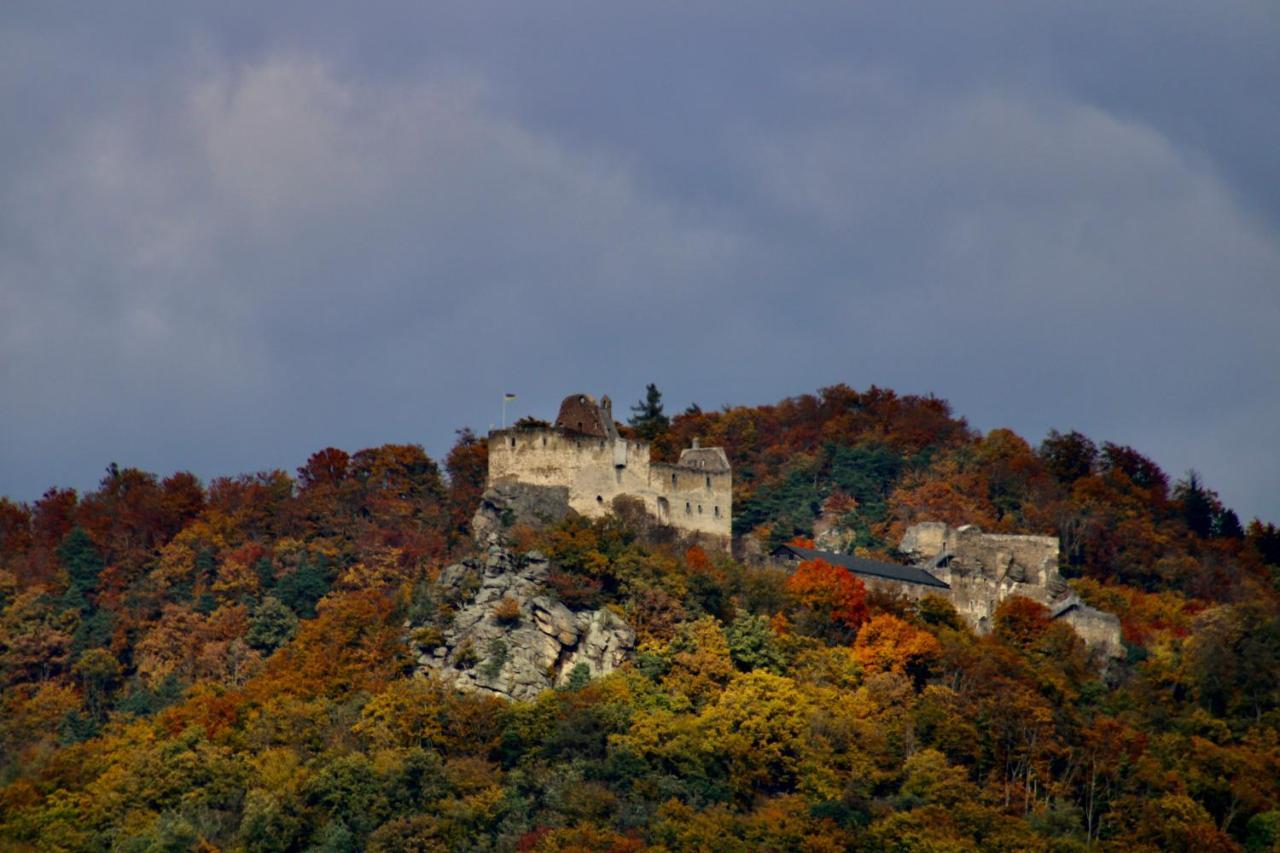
x,y
507,612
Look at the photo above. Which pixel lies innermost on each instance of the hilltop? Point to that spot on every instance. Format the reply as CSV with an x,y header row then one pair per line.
x,y
256,662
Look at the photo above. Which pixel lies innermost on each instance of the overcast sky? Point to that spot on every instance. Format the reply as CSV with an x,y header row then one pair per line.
x,y
231,238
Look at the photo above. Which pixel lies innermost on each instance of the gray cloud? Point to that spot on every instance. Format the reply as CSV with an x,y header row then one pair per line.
x,y
228,241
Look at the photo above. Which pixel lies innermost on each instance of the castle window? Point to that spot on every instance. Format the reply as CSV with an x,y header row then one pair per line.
x,y
708,481
688,509
512,440
673,481
599,500
717,512
699,509
544,441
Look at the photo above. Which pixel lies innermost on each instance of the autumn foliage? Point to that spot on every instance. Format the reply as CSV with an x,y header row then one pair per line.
x,y
828,595
889,644
226,665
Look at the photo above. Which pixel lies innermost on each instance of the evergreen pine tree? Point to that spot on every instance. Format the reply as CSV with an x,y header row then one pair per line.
x,y
83,564
1197,505
647,416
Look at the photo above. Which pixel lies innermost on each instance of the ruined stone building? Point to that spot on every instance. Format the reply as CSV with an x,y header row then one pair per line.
x,y
582,463
975,571
540,472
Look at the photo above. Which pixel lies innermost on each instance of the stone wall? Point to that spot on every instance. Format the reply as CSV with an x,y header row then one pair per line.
x,y
1099,630
580,413
595,470
984,569
696,500
1024,559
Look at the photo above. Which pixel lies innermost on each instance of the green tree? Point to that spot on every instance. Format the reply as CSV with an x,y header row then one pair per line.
x,y
752,644
1198,505
1226,525
98,672
83,564
647,417
303,588
1263,832
272,626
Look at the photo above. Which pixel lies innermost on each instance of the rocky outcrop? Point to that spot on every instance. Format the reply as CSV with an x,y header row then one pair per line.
x,y
507,503
509,637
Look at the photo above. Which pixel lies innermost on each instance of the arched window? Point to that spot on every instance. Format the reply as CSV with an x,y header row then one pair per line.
x,y
699,509
717,512
708,481
673,480
688,508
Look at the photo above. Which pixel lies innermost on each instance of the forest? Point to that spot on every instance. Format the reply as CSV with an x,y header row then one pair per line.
x,y
224,665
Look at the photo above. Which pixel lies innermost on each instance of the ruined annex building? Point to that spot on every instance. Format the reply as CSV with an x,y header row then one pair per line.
x,y
539,472
975,571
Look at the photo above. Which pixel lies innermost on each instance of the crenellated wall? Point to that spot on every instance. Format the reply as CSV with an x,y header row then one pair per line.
x,y
596,470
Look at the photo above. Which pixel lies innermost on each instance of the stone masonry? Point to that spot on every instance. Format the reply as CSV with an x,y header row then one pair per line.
x,y
584,455
983,569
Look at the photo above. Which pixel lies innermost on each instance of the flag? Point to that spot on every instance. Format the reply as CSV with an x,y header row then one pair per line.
x,y
508,397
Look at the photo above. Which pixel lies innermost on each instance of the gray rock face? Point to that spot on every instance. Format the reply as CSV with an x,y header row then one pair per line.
x,y
508,637
505,504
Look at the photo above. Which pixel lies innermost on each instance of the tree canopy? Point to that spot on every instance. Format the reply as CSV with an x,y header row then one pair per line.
x,y
227,665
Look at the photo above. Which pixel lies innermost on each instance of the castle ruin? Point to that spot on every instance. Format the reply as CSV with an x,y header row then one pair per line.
x,y
976,571
583,463
539,472
983,569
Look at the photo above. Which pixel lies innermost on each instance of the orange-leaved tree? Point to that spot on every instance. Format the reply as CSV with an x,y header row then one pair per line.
x,y
832,602
889,644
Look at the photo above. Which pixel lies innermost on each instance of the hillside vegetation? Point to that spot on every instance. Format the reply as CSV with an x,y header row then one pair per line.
x,y
225,666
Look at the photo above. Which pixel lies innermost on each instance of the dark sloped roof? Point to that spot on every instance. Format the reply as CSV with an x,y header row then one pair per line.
x,y
863,566
711,459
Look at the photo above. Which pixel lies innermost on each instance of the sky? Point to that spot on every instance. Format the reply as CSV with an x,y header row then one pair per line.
x,y
236,234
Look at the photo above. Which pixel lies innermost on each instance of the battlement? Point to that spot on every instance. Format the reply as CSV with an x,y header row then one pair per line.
x,y
595,464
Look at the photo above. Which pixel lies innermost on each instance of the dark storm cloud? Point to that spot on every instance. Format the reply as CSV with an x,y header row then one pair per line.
x,y
230,239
